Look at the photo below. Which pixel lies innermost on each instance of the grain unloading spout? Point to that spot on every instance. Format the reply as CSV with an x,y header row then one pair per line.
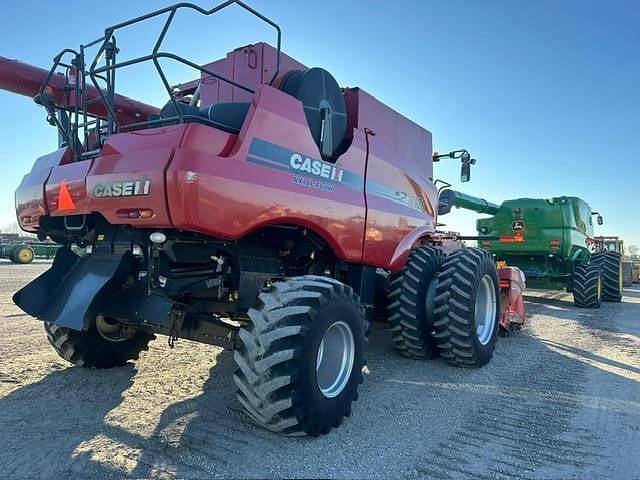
x,y
451,198
24,79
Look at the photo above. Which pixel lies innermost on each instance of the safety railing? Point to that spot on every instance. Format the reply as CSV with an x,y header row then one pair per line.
x,y
74,118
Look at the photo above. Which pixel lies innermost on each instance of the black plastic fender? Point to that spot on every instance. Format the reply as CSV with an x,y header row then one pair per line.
x,y
68,292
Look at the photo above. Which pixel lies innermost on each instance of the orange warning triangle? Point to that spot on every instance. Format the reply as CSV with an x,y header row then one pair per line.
x,y
65,202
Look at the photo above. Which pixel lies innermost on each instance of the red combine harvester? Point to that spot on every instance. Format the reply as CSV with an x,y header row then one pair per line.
x,y
256,211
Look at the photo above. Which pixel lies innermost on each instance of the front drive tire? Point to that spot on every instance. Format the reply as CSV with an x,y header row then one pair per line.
x,y
587,286
410,318
611,270
88,348
467,308
301,356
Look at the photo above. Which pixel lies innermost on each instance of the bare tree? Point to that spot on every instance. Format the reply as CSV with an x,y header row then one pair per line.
x,y
11,228
633,250
15,228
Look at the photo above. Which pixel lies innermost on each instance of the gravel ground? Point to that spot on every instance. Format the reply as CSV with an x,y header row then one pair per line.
x,y
560,400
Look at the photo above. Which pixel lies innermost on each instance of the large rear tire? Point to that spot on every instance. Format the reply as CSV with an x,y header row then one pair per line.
x,y
587,286
467,308
411,297
89,348
301,357
611,270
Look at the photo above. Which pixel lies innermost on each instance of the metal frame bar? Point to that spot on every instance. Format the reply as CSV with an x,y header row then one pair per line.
x,y
94,70
107,75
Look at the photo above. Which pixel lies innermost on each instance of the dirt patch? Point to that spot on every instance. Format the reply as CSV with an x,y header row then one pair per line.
x,y
561,399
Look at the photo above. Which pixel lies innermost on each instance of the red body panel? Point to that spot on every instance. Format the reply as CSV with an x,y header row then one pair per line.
x,y
251,66
229,197
30,196
399,189
513,314
74,177
30,202
144,165
371,206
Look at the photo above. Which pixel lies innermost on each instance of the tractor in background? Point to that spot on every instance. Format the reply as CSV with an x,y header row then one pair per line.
x,y
608,249
24,249
550,240
17,252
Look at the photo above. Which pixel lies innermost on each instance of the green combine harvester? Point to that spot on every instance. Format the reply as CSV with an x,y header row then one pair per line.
x,y
550,240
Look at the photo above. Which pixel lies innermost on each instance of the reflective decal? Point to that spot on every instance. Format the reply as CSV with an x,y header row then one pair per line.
x,y
315,173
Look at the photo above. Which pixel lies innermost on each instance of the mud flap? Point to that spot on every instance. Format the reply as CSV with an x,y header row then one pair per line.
x,y
67,292
135,306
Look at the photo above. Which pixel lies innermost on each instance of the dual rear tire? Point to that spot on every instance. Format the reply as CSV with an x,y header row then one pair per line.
x,y
411,298
446,306
611,270
600,280
587,286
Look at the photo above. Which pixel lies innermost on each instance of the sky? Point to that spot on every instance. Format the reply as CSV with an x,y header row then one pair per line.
x,y
545,94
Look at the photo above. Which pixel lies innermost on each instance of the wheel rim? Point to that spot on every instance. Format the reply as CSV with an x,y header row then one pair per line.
x,y
335,358
25,255
485,309
112,330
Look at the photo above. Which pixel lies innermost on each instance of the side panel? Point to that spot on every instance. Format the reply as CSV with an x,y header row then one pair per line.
x,y
30,201
400,204
73,177
126,178
119,186
401,198
272,176
30,195
544,223
251,66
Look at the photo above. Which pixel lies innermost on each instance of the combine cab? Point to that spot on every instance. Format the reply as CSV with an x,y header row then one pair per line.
x,y
255,211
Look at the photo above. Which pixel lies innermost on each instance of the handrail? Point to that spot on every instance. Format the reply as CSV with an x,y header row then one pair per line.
x,y
69,126
108,49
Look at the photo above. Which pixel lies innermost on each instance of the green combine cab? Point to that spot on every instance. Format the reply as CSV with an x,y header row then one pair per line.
x,y
550,240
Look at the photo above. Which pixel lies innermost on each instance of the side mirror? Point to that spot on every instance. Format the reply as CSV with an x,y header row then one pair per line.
x,y
599,220
465,172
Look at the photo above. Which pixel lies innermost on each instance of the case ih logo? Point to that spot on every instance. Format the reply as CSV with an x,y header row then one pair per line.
x,y
316,167
122,189
278,157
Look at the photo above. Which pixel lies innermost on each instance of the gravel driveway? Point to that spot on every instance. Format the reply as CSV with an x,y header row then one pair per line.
x,y
561,399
